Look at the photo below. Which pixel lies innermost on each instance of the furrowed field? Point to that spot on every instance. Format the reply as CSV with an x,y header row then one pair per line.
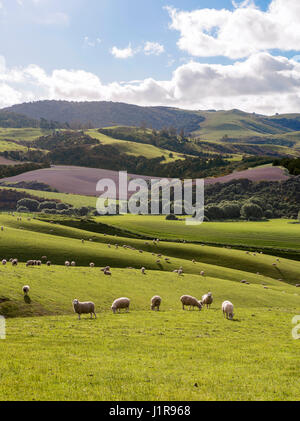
x,y
145,355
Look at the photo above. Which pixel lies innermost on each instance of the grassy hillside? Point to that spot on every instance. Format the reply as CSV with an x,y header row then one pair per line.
x,y
60,243
276,233
122,357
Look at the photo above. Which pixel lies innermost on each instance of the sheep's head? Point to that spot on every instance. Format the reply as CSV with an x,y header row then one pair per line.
x,y
231,316
75,302
200,304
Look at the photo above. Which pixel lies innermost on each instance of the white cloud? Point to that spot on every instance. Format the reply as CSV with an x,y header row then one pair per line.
x,y
238,33
262,83
123,52
153,48
90,42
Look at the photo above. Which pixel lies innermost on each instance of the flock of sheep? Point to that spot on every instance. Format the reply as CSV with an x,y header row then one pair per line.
x,y
88,307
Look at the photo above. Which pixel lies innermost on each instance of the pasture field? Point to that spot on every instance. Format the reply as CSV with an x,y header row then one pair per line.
x,y
135,148
145,355
275,233
59,243
27,134
49,354
76,200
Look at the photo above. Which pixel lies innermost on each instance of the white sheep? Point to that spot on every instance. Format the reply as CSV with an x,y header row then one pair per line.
x,y
202,273
188,300
143,270
207,299
48,263
67,263
87,307
227,308
155,302
26,289
14,262
119,303
4,262
92,265
73,263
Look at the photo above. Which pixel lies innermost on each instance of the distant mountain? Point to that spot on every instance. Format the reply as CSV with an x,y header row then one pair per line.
x,y
11,119
105,114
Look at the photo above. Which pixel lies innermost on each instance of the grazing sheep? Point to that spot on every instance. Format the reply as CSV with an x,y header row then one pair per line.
x,y
207,299
107,272
14,262
193,261
82,240
188,300
297,285
227,308
155,302
143,270
73,263
180,271
92,265
202,273
48,263
67,263
44,257
26,289
106,268
84,308
4,262
119,303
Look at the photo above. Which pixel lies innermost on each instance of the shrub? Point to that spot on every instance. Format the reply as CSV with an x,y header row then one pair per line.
x,y
22,209
31,204
47,205
251,210
171,217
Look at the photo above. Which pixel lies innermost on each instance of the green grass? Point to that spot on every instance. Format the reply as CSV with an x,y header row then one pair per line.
x,y
11,146
144,355
60,243
72,199
134,148
25,134
276,233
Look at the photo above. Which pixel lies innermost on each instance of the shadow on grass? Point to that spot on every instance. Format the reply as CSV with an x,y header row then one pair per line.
x,y
27,299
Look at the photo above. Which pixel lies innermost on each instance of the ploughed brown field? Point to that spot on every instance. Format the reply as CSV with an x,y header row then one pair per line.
x,y
83,181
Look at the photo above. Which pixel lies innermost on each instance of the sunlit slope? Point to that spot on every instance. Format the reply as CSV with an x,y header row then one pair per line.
x,y
33,239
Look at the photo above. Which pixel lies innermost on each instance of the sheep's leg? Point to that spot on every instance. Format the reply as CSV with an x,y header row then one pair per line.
x,y
182,306
78,316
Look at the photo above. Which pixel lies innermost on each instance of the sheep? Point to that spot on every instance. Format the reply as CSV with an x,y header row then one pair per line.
x,y
155,302
84,308
180,271
202,273
14,262
107,272
73,263
92,265
29,263
67,263
227,308
207,299
105,269
2,228
48,263
26,289
119,303
44,257
82,240
143,270
4,262
188,300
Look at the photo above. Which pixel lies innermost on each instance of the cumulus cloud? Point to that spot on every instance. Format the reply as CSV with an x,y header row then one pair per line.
x,y
123,52
262,83
153,48
240,32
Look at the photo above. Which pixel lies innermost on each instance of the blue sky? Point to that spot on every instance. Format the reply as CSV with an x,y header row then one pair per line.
x,y
170,47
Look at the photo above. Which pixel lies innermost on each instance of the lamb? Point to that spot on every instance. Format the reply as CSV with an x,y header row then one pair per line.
x,y
4,262
73,263
48,263
84,308
227,308
143,270
155,302
26,289
188,300
67,263
92,265
207,299
119,303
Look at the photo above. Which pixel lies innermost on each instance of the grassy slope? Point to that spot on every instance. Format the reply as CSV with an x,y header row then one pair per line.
x,y
277,233
144,355
60,243
25,134
134,148
73,199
